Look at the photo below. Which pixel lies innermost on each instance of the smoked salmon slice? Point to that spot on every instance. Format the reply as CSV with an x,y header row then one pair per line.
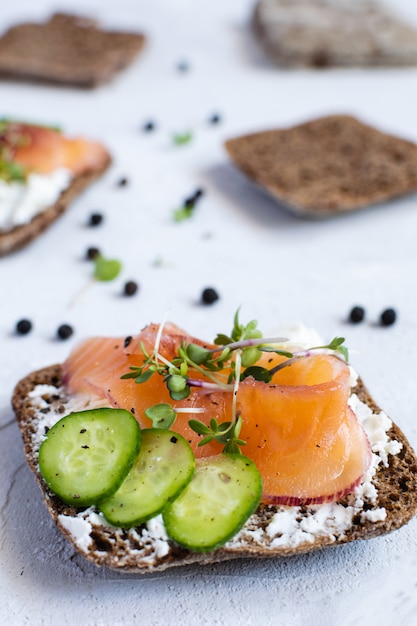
x,y
42,149
299,430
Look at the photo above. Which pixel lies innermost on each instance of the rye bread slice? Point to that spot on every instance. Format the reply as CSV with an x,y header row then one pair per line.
x,y
68,50
144,549
323,33
328,165
19,236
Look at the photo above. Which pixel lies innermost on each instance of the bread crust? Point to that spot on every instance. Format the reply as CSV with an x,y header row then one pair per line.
x,y
19,236
128,552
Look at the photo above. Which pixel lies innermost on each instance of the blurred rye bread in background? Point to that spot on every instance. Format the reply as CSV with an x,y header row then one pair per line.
x,y
322,33
68,50
327,166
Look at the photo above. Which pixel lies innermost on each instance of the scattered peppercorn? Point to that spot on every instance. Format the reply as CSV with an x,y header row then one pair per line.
x,y
122,182
183,66
65,331
92,253
149,126
191,200
130,288
357,315
23,327
388,317
215,119
209,295
95,219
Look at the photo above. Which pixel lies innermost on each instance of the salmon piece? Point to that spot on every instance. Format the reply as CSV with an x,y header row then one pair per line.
x,y
305,440
41,149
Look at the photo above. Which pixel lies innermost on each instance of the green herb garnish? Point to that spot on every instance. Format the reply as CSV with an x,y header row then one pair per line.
x,y
182,139
184,213
106,269
220,369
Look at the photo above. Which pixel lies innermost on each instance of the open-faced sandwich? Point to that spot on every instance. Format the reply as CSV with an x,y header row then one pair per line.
x,y
159,449
41,172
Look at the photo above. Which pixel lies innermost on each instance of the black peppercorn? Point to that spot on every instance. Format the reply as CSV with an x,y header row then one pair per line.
x,y
209,295
23,327
388,317
148,126
92,253
183,66
215,119
95,219
65,331
122,182
130,288
357,314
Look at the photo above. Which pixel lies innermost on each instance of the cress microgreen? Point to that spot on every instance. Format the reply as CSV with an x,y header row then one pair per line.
x,y
106,269
181,139
184,213
221,368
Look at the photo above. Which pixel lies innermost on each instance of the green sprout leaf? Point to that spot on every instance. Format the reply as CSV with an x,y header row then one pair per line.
x,y
197,354
183,213
182,139
162,415
258,373
106,269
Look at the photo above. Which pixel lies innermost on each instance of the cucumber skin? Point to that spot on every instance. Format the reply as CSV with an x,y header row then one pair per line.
x,y
167,516
144,518
89,501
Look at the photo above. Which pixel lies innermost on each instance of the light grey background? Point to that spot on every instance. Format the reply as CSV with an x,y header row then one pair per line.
x,y
278,268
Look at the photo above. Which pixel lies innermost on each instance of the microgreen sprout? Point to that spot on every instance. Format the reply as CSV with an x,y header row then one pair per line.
x,y
220,369
184,212
181,139
105,270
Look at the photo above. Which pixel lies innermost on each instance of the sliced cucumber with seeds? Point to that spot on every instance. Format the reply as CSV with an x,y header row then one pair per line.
x,y
87,455
162,469
224,491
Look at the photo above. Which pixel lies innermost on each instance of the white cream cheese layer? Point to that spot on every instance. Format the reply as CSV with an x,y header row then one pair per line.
x,y
21,201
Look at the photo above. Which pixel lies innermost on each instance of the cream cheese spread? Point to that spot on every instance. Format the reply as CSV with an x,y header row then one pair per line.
x,y
20,202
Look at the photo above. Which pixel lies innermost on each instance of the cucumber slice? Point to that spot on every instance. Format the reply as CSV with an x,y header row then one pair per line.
x,y
87,455
163,468
224,492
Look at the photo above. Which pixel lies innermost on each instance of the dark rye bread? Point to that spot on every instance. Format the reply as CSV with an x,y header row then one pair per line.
x,y
134,551
324,33
19,236
327,166
68,50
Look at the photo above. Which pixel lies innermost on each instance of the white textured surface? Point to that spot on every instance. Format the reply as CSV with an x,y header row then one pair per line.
x,y
279,268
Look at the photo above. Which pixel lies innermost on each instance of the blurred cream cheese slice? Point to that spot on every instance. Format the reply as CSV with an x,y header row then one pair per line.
x,y
20,202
